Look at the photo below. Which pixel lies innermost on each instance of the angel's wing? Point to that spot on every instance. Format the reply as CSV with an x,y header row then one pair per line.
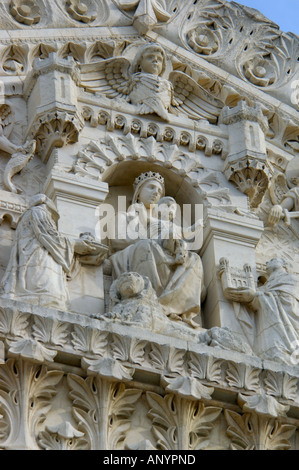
x,y
278,188
6,119
193,100
110,77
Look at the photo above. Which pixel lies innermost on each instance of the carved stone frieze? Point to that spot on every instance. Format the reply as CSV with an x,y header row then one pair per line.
x,y
100,402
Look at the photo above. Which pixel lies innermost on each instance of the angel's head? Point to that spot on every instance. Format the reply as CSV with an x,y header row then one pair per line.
x,y
151,58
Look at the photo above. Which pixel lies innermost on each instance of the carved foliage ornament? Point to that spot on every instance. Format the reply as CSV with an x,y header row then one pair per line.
x,y
253,432
25,393
181,424
264,55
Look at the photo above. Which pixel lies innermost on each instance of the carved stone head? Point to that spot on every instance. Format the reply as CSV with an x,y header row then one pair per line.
x,y
149,182
129,285
150,58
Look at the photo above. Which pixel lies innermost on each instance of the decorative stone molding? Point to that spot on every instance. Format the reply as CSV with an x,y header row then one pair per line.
x,y
100,403
97,157
183,137
251,178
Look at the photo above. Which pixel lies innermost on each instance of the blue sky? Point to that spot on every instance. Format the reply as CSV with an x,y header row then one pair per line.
x,y
285,13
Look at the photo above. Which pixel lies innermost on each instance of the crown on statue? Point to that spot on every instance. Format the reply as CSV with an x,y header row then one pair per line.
x,y
149,175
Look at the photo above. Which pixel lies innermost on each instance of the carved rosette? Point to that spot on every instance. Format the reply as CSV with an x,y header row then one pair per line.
x,y
25,11
260,71
84,11
203,41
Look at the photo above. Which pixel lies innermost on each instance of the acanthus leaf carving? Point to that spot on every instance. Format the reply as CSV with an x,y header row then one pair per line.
x,y
26,391
13,322
50,331
263,404
102,409
31,349
280,384
62,437
206,367
253,432
109,368
89,340
187,387
178,423
243,376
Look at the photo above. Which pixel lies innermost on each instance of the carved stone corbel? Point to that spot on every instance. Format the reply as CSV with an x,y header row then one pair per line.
x,y
56,129
246,165
56,122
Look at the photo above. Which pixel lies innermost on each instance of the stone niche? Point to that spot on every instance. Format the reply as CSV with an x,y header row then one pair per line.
x,y
149,207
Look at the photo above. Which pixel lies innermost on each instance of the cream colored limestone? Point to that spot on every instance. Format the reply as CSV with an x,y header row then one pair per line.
x,y
149,249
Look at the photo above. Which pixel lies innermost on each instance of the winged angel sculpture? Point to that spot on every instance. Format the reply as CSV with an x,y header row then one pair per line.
x,y
142,85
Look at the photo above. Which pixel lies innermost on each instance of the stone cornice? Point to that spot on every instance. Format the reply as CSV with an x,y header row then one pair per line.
x,y
112,351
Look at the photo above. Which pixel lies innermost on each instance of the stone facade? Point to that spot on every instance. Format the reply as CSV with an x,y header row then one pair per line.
x,y
117,330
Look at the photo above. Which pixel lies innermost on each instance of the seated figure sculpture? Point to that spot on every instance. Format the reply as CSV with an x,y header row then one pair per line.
x,y
271,313
178,286
41,258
